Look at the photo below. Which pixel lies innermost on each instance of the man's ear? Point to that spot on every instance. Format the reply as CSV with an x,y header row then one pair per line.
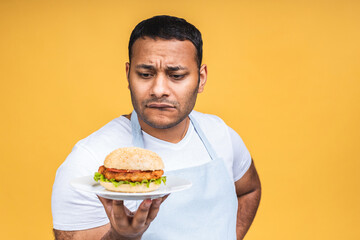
x,y
127,69
203,78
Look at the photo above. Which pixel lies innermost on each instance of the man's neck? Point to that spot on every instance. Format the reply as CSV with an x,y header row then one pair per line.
x,y
174,134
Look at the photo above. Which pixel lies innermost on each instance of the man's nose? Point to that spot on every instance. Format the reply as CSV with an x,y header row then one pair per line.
x,y
160,86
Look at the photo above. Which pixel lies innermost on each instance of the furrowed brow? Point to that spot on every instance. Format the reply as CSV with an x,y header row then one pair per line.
x,y
145,66
175,68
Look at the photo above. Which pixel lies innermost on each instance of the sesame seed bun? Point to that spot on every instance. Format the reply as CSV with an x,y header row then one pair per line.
x,y
134,158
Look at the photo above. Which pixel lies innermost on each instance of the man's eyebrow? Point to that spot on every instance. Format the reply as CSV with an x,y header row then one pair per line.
x,y
176,68
168,68
145,66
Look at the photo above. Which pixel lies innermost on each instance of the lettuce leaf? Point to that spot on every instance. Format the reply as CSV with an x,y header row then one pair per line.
x,y
100,177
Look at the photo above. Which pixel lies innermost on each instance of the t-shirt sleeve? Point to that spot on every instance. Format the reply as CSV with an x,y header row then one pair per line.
x,y
242,158
72,209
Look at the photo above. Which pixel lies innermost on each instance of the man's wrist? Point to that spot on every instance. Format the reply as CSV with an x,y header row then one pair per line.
x,y
113,235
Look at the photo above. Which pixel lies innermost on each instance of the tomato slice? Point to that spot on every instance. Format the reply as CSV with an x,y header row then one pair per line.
x,y
123,170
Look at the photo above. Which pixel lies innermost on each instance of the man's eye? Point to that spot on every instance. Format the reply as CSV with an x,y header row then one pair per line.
x,y
177,76
145,75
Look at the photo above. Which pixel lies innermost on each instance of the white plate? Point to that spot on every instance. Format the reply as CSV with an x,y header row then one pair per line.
x,y
88,184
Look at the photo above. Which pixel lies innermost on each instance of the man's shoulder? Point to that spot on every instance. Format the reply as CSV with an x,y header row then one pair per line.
x,y
114,134
212,125
217,133
208,119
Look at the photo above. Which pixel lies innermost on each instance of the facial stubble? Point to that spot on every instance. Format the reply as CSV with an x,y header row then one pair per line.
x,y
184,112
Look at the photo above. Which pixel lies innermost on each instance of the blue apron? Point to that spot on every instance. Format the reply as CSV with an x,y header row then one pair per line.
x,y
207,210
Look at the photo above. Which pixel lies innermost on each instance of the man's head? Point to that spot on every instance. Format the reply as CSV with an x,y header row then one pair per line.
x,y
164,74
168,27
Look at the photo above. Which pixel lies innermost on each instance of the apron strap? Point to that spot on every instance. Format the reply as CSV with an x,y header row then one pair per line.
x,y
203,138
137,138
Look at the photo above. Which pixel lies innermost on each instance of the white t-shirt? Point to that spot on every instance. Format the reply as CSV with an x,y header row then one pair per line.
x,y
75,210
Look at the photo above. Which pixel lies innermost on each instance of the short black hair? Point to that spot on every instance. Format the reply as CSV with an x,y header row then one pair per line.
x,y
168,27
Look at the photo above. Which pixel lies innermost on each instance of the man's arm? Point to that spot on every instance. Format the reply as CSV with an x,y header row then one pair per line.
x,y
248,190
124,225
93,233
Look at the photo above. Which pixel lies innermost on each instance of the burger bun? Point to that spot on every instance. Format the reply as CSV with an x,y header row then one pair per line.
x,y
127,188
134,158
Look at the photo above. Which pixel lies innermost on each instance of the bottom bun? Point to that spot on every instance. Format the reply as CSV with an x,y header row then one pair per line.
x,y
138,188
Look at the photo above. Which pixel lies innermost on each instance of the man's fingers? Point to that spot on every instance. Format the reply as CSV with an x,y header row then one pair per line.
x,y
107,205
104,201
164,198
121,216
155,206
116,212
154,209
119,213
141,214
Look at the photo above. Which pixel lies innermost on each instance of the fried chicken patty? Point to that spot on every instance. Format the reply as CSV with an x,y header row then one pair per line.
x,y
129,175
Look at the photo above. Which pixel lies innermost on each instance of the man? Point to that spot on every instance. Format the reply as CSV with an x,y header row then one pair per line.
x,y
164,75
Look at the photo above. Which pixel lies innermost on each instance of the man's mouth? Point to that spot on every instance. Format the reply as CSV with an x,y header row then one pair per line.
x,y
160,105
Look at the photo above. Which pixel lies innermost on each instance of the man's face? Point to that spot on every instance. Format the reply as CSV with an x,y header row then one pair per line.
x,y
164,80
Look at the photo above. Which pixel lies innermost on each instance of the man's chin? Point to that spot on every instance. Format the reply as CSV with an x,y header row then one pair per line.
x,y
160,121
160,124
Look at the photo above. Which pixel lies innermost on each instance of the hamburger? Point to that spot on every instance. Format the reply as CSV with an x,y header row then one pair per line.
x,y
131,170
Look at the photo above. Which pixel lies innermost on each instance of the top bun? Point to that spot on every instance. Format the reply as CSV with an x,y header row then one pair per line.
x,y
134,158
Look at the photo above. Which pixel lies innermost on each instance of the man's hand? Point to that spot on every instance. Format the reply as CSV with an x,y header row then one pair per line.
x,y
126,224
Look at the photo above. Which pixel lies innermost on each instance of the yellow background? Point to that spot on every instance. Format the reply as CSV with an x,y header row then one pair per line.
x,y
284,74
